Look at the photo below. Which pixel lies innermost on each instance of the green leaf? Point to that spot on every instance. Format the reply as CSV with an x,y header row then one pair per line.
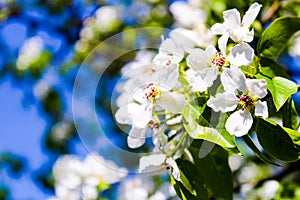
x,y
290,115
219,135
249,142
195,178
280,88
275,38
295,135
215,171
271,68
186,183
276,141
181,191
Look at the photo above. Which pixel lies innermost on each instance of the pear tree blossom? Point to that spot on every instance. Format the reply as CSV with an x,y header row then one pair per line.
x,y
234,27
206,65
243,97
159,163
189,93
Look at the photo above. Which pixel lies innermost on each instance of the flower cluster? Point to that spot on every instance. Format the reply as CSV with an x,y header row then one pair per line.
x,y
157,88
76,179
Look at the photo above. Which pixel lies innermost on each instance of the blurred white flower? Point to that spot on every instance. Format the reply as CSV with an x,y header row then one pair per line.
x,y
269,189
76,179
186,15
142,188
236,29
294,50
135,189
106,16
41,89
235,162
29,52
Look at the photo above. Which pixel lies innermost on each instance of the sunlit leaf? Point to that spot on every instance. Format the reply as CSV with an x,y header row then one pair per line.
x,y
275,38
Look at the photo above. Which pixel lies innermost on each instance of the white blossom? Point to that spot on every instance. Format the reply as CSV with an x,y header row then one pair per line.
x,y
234,27
186,15
158,164
29,52
76,179
241,94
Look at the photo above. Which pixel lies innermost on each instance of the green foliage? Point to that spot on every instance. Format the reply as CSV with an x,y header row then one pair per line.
x,y
280,88
274,39
289,115
248,142
192,115
211,175
215,171
271,68
276,141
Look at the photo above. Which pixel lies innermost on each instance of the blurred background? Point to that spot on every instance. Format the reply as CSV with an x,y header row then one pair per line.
x,y
42,45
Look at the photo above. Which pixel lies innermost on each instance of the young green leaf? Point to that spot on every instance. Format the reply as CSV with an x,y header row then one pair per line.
x,y
196,131
280,88
275,38
276,141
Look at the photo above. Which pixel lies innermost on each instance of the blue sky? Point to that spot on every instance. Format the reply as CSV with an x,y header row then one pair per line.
x,y
21,132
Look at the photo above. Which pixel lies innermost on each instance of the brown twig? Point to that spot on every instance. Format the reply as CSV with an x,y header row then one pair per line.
x,y
270,12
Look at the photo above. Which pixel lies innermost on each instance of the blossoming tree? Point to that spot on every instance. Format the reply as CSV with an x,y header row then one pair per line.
x,y
221,97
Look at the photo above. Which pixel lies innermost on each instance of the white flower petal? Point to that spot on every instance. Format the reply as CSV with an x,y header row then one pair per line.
x,y
257,87
167,78
178,36
196,81
152,163
261,109
232,18
209,75
136,137
241,55
139,96
251,14
197,59
123,114
224,102
141,115
169,46
172,102
233,78
222,43
218,29
239,123
210,50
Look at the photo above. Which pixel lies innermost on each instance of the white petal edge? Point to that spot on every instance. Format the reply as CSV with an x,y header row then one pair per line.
x,y
239,123
224,102
261,109
136,137
257,87
151,163
241,55
233,78
251,14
